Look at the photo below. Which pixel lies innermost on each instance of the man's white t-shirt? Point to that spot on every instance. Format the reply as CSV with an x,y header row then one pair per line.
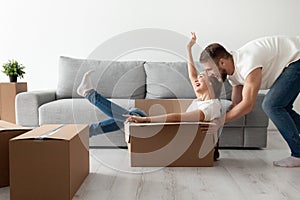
x,y
272,54
210,108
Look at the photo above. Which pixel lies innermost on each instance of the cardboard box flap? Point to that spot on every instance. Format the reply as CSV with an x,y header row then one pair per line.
x,y
132,124
162,106
4,126
53,131
171,123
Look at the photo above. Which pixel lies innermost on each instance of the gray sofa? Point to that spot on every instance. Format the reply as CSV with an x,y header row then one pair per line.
x,y
122,82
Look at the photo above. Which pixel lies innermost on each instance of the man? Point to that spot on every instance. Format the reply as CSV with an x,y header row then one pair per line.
x,y
266,63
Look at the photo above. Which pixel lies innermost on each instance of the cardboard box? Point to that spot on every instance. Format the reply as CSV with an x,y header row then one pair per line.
x,y
183,144
49,162
8,92
7,131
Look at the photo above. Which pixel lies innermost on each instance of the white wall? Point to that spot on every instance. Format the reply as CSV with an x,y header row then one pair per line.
x,y
37,32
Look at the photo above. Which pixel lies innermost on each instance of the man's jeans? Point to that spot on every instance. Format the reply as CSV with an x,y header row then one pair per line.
x,y
278,105
112,110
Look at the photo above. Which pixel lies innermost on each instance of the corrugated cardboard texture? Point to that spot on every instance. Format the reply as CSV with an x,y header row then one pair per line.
x,y
50,168
8,93
7,131
159,107
170,144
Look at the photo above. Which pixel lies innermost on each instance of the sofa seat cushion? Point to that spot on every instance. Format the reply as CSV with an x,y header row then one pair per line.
x,y
72,111
168,80
112,79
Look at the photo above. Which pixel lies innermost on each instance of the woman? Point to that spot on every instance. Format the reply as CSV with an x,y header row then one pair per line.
x,y
208,104
207,90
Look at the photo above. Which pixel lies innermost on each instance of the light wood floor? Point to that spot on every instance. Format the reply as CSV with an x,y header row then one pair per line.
x,y
240,174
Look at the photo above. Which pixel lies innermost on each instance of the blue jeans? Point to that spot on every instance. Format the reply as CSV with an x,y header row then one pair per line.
x,y
112,110
278,105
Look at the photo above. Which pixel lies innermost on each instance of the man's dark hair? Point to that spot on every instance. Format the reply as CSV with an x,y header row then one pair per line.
x,y
217,86
214,52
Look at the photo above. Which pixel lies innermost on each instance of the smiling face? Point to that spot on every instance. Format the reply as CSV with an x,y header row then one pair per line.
x,y
211,68
207,85
218,71
201,82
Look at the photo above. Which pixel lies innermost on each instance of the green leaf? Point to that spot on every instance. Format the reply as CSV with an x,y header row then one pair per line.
x,y
12,67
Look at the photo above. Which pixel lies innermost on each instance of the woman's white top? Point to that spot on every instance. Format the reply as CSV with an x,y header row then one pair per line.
x,y
210,108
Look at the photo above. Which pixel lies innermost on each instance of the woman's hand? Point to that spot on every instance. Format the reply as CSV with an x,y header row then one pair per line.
x,y
136,119
192,41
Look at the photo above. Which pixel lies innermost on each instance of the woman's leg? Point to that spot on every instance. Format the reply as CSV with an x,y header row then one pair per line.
x,y
86,90
111,124
105,126
116,122
278,105
114,111
107,107
111,109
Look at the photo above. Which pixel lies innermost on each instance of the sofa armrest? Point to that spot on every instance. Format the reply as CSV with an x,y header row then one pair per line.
x,y
27,106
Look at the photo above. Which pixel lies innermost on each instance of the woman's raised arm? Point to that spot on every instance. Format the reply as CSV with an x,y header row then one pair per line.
x,y
191,65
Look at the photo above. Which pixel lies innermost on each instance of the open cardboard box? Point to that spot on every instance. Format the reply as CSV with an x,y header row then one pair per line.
x,y
49,162
7,131
170,144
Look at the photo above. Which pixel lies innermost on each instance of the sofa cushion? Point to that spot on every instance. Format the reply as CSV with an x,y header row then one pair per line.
x,y
232,137
112,79
75,111
255,137
168,80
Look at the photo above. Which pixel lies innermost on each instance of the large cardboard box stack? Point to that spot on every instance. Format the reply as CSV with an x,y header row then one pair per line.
x,y
49,162
170,144
7,131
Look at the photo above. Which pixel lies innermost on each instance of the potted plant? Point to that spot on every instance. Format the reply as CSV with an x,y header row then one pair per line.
x,y
14,70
